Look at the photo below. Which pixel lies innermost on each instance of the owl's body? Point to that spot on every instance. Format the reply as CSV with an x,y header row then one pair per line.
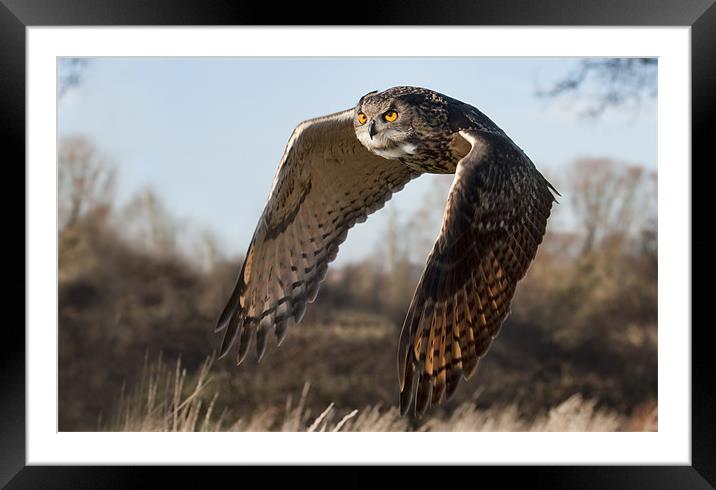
x,y
338,169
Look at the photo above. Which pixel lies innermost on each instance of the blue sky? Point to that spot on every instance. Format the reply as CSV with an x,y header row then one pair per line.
x,y
207,133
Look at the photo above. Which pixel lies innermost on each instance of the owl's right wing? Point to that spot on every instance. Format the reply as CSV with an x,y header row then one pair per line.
x,y
326,182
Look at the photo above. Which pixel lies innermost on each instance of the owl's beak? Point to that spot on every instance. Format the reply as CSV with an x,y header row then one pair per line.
x,y
371,129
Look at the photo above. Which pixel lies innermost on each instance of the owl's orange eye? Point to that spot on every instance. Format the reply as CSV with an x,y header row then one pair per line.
x,y
362,118
390,116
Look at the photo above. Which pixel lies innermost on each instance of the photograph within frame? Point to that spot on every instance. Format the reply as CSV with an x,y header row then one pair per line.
x,y
113,325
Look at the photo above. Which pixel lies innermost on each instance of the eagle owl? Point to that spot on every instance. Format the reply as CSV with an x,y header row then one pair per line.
x,y
338,169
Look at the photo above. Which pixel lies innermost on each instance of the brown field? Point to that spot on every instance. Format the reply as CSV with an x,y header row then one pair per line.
x,y
163,401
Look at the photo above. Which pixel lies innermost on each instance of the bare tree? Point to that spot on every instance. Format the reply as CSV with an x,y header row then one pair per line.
x,y
85,179
207,249
399,277
392,238
147,222
70,74
607,83
422,228
611,201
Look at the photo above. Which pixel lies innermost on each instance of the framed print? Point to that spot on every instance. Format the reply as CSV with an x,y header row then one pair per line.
x,y
191,173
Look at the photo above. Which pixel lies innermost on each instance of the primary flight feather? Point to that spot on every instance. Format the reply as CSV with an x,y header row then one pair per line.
x,y
338,169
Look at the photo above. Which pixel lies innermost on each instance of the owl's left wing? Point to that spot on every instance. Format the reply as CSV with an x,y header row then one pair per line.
x,y
494,221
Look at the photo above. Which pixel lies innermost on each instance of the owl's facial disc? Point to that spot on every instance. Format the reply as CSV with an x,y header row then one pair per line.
x,y
384,128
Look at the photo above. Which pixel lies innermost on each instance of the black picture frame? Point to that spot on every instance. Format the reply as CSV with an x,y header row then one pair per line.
x,y
700,15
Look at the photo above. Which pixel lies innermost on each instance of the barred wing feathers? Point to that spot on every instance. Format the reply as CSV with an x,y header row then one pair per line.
x,y
494,220
326,182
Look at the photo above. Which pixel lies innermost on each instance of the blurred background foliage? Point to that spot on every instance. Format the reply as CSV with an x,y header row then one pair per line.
x,y
135,284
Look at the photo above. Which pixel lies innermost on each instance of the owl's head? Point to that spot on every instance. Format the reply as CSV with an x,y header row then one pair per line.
x,y
390,123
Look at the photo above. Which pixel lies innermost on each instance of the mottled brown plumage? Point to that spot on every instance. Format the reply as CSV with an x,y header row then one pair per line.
x,y
338,169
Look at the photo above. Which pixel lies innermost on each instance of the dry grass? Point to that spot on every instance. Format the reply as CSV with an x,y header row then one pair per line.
x,y
165,400
158,402
573,415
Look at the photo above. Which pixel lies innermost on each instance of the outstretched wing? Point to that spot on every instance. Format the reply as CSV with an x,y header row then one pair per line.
x,y
494,220
326,182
